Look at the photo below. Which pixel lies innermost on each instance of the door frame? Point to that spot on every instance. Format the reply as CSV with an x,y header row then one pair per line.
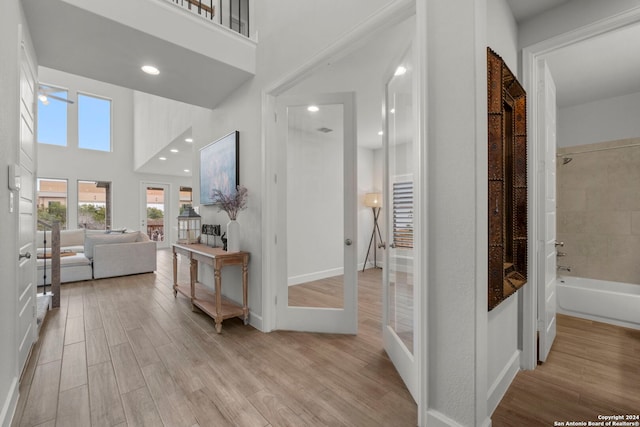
x,y
167,214
531,57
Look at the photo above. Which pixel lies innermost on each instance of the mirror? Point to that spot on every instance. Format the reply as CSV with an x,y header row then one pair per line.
x,y
507,157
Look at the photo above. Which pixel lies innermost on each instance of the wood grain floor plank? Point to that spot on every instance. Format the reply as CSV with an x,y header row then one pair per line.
x,y
52,344
170,400
140,409
142,347
106,406
75,330
74,366
125,365
73,408
97,347
42,403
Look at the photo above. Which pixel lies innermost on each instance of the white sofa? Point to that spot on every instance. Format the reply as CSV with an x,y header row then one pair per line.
x,y
97,255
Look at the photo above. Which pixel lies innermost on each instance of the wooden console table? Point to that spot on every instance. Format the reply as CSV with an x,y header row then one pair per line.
x,y
212,303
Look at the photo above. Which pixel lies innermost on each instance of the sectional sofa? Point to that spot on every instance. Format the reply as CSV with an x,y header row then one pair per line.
x,y
92,254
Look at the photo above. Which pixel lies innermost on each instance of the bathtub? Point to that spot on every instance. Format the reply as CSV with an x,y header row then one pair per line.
x,y
609,302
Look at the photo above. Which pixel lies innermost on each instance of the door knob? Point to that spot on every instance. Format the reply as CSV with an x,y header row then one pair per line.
x,y
348,242
382,245
26,255
392,246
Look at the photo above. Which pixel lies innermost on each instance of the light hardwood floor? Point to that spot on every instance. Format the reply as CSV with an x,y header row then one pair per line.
x,y
593,369
123,351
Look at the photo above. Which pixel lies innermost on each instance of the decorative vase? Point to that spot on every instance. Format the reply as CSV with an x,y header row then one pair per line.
x,y
233,236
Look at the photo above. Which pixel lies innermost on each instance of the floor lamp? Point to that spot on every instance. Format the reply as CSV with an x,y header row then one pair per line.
x,y
373,201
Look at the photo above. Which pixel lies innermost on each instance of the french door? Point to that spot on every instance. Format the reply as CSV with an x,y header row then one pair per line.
x,y
400,287
154,213
316,225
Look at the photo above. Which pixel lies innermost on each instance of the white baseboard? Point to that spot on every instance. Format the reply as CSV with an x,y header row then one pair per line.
x,y
318,275
255,321
501,384
10,402
438,419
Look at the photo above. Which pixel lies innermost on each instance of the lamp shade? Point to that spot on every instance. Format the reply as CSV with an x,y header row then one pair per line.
x,y
373,200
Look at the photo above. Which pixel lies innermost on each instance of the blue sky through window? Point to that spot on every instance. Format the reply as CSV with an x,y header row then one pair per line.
x,y
94,123
52,120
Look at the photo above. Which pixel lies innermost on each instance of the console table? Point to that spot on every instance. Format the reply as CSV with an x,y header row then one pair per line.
x,y
212,303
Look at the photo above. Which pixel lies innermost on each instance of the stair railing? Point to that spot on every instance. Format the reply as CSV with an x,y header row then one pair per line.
x,y
54,232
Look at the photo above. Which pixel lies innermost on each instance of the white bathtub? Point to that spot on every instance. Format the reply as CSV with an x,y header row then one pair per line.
x,y
609,302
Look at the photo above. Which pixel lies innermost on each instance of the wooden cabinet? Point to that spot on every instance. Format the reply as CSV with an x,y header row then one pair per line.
x,y
211,302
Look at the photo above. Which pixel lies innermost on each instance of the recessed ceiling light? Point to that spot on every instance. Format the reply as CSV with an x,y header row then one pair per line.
x,y
188,139
187,170
162,158
313,108
400,71
150,69
380,133
392,111
174,150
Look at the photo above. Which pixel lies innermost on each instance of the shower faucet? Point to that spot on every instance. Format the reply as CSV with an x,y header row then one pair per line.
x,y
563,268
559,253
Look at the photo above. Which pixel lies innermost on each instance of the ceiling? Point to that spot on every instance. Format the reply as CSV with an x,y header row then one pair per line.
x,y
74,40
177,155
525,9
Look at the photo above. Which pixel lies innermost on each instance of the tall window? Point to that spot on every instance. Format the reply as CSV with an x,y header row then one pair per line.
x,y
52,201
403,214
94,123
94,205
52,116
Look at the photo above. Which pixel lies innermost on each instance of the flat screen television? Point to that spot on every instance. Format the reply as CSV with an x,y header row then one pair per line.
x,y
219,167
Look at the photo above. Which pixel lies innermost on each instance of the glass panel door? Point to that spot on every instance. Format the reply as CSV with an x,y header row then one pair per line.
x,y
155,211
398,277
317,196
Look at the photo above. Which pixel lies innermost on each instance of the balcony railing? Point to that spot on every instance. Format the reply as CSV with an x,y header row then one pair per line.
x,y
232,14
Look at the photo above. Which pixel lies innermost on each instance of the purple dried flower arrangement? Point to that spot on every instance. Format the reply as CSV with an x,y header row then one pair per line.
x,y
231,203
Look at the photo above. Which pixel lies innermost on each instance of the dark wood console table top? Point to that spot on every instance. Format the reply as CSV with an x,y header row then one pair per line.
x,y
211,303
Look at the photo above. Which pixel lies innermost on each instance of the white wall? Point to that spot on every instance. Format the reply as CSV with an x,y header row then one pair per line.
x,y
569,16
157,122
604,120
503,352
10,20
73,163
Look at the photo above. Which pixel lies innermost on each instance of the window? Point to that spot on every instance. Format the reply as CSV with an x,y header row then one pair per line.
x,y
403,214
52,116
186,197
52,201
94,205
94,123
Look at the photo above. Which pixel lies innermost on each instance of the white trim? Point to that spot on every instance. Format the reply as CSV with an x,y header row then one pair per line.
x,y
501,384
318,275
438,419
530,57
10,404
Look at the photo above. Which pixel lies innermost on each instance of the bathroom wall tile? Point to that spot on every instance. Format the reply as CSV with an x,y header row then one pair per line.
x,y
625,247
635,222
599,199
571,199
608,222
572,222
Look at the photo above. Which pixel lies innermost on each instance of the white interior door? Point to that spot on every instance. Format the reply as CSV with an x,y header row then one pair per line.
x,y
400,288
155,211
316,220
25,174
547,233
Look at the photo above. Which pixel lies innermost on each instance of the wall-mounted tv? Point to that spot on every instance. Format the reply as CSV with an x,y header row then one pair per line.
x,y
219,167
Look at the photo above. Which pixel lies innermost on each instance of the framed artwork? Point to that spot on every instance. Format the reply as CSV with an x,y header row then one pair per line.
x,y
219,167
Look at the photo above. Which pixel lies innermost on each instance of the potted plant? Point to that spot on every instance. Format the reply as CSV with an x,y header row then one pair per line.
x,y
232,204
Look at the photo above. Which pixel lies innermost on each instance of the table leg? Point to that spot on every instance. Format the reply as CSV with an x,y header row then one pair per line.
x,y
245,286
193,274
175,273
218,281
